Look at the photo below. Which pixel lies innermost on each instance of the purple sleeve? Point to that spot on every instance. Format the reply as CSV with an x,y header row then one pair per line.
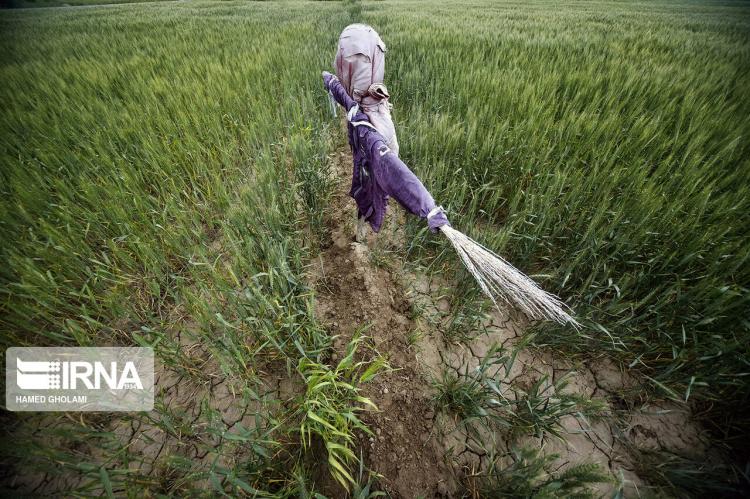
x,y
334,86
400,183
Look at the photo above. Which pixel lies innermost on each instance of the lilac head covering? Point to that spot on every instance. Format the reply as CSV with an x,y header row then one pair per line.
x,y
360,67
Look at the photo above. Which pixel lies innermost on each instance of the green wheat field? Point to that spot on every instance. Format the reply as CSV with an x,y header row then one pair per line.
x,y
166,181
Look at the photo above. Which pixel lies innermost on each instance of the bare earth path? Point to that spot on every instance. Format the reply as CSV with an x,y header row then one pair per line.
x,y
353,292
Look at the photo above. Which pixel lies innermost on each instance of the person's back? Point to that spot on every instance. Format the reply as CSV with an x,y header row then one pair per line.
x,y
360,67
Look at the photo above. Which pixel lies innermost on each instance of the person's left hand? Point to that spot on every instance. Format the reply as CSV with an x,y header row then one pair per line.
x,y
327,77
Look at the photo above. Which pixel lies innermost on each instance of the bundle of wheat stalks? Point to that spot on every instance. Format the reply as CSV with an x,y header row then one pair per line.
x,y
500,279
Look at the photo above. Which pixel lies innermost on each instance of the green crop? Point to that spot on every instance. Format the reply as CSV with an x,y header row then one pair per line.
x,y
164,181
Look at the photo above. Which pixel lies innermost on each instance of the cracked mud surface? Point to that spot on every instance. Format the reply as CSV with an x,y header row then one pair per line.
x,y
608,442
197,416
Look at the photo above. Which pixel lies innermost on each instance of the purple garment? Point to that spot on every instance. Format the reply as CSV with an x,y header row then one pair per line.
x,y
378,171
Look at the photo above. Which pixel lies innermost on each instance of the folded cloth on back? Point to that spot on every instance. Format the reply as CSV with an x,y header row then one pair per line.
x,y
378,172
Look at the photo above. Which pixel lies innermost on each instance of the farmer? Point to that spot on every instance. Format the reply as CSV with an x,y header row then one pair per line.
x,y
360,67
380,174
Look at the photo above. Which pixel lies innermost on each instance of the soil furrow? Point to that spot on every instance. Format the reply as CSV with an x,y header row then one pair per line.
x,y
353,293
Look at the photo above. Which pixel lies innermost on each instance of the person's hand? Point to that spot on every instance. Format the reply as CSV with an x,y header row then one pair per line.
x,y
327,77
437,218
